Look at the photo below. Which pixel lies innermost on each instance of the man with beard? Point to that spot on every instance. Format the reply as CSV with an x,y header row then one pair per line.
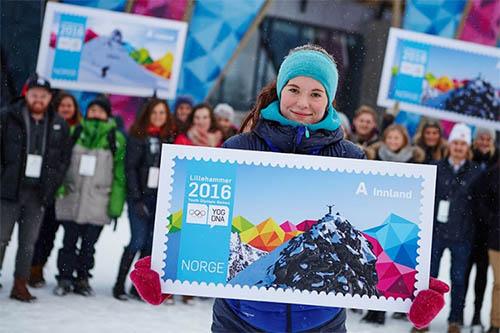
x,y
35,154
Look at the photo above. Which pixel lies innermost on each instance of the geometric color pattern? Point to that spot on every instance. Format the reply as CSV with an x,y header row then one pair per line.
x,y
437,17
171,9
240,224
175,222
394,280
265,236
306,225
290,230
482,23
398,237
215,31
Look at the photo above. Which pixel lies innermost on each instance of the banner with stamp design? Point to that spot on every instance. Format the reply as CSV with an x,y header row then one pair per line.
x,y
97,50
293,228
442,78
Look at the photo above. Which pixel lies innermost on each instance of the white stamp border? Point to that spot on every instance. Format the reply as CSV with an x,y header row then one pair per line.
x,y
160,237
396,34
108,16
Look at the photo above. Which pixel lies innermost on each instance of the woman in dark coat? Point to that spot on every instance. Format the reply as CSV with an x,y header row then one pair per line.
x,y
151,129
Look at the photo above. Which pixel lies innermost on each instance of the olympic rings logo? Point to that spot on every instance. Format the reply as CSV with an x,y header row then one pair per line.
x,y
197,213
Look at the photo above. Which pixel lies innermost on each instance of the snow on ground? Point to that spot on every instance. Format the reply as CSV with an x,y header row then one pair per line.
x,y
102,313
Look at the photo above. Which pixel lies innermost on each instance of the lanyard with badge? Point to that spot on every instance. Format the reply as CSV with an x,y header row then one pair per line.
x,y
154,171
34,160
87,165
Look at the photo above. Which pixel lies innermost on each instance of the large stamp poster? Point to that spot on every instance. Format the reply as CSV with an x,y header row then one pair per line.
x,y
293,228
104,51
442,78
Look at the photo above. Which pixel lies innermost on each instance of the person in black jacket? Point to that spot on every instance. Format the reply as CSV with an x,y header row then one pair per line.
x,y
453,227
485,155
486,209
66,106
153,127
34,158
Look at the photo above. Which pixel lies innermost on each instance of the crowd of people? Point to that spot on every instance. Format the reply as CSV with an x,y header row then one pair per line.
x,y
60,168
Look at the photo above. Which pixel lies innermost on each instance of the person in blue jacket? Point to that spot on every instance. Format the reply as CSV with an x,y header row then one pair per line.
x,y
292,115
295,114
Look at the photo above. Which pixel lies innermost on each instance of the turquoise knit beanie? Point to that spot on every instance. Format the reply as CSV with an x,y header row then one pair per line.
x,y
317,66
309,63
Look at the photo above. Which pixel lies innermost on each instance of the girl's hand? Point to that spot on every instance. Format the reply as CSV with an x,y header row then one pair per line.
x,y
147,282
428,303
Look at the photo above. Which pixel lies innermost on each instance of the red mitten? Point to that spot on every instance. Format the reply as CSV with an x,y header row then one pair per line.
x,y
428,303
147,282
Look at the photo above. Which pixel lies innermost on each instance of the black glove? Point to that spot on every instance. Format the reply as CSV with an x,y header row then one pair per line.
x,y
114,220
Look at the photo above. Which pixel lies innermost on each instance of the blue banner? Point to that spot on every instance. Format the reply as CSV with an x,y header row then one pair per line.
x,y
206,223
68,50
412,67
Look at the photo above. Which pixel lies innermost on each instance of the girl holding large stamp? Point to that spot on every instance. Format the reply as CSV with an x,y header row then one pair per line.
x,y
295,115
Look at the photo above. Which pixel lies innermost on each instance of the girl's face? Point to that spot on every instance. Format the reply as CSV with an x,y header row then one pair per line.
x,y
183,112
201,119
394,140
66,108
364,124
432,136
158,116
484,143
97,112
303,100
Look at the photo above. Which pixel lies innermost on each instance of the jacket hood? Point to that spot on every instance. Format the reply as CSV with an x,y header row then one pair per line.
x,y
94,132
291,139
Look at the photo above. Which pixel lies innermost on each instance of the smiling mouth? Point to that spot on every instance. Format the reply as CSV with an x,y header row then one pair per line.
x,y
300,114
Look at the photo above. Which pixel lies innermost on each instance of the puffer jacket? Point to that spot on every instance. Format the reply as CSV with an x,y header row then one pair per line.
x,y
98,198
141,155
455,187
13,141
272,136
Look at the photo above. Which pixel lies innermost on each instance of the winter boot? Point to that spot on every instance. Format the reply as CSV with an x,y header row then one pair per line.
x,y
134,294
189,300
454,328
119,287
399,316
63,287
374,317
36,279
20,292
82,287
419,330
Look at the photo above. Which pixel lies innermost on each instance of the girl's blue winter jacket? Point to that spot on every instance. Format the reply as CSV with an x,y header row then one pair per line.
x,y
272,136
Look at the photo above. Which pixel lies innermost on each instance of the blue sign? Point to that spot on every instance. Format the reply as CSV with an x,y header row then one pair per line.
x,y
412,69
69,46
206,223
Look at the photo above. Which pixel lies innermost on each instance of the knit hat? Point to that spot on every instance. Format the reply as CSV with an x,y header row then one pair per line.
x,y
224,110
103,102
312,64
483,130
183,100
317,66
460,132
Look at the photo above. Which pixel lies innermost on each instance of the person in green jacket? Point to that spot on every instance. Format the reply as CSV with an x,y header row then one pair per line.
x,y
93,195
